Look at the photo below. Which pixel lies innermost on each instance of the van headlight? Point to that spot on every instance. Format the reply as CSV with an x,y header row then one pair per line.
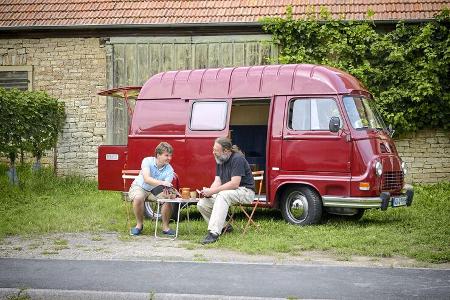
x,y
378,168
404,168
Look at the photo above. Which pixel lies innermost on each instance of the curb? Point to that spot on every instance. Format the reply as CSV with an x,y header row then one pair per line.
x,y
47,294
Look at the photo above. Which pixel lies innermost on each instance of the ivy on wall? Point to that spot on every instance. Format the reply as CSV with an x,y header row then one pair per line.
x,y
407,69
30,122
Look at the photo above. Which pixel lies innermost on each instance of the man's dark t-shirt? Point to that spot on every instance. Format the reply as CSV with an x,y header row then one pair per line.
x,y
236,165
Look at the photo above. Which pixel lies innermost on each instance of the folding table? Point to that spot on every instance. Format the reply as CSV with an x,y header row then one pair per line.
x,y
182,203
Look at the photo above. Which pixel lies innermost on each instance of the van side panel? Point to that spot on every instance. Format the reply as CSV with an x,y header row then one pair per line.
x,y
144,146
200,164
168,120
160,117
156,121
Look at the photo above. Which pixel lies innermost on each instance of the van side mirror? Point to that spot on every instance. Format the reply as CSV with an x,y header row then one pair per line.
x,y
335,124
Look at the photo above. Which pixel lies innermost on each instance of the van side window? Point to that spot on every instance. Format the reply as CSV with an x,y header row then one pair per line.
x,y
209,115
311,114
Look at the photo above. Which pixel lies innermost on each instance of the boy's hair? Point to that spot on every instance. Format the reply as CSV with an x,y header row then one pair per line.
x,y
163,147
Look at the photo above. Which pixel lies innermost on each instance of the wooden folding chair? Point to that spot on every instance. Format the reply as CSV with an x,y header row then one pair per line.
x,y
258,176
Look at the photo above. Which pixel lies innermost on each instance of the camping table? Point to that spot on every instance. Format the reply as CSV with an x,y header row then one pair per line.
x,y
182,203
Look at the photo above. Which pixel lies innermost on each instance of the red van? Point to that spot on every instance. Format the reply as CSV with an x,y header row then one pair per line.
x,y
313,129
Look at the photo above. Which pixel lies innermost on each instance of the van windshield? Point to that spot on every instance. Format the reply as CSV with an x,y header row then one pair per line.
x,y
362,113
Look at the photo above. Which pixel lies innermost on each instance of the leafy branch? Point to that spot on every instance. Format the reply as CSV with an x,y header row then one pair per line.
x,y
407,69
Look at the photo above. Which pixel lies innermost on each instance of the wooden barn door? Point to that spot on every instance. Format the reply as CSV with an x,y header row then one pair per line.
x,y
133,60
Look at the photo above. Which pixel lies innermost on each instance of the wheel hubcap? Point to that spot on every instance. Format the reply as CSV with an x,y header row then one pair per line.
x,y
298,206
150,208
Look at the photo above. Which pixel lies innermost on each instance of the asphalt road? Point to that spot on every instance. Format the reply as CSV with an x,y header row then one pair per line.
x,y
250,280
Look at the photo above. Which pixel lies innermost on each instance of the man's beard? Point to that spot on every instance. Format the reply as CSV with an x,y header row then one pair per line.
x,y
221,159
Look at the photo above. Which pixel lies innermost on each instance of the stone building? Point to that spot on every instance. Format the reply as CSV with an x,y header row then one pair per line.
x,y
73,49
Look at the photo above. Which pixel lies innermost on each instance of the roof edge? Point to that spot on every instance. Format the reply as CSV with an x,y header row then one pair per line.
x,y
126,26
176,25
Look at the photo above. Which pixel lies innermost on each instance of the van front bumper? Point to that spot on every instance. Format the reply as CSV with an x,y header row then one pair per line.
x,y
383,201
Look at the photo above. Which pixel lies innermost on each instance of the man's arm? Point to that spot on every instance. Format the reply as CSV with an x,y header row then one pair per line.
x,y
152,181
215,183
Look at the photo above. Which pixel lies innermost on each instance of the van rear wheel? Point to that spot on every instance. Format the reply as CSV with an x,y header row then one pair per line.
x,y
301,206
151,207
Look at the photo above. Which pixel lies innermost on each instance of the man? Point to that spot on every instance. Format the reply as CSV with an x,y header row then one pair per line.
x,y
156,172
233,184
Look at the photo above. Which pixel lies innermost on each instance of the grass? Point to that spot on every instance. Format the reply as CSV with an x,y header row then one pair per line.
x,y
45,204
420,231
21,295
61,242
97,238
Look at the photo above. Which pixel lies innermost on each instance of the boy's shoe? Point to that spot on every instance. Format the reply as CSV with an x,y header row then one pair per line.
x,y
136,231
169,232
227,229
210,238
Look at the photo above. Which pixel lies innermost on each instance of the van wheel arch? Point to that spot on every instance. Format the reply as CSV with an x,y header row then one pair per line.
x,y
281,190
300,204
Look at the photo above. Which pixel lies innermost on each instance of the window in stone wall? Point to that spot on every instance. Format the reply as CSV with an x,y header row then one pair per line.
x,y
19,77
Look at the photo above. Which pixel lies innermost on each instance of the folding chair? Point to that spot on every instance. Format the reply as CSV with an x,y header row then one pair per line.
x,y
258,176
128,175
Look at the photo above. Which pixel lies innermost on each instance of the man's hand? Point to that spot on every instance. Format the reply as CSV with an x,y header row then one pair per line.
x,y
166,184
207,192
168,194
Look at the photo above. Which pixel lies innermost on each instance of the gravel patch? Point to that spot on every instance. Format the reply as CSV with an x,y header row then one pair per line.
x,y
112,246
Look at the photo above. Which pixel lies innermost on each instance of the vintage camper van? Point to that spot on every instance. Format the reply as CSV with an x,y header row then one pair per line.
x,y
313,129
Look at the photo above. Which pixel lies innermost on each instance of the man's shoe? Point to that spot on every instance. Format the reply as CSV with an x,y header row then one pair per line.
x,y
136,231
227,229
169,232
210,238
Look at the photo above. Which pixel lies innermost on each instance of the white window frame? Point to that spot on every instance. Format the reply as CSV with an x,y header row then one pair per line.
x,y
314,113
224,117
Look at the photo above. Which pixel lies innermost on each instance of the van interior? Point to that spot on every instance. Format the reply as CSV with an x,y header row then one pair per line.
x,y
248,130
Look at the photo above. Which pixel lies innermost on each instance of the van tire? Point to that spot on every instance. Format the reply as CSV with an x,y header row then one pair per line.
x,y
150,209
301,206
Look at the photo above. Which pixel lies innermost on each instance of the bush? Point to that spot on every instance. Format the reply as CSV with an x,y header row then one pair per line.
x,y
31,122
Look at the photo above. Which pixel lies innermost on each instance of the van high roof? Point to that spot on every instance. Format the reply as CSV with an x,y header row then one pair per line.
x,y
248,82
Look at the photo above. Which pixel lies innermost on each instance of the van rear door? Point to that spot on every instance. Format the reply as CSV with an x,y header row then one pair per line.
x,y
111,161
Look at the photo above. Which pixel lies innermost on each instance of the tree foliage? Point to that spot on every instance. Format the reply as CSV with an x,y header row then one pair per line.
x,y
407,69
30,122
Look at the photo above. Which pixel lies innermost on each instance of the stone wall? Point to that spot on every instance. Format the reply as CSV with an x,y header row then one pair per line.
x,y
427,154
72,70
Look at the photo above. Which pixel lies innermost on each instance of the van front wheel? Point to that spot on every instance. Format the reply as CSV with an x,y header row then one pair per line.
x,y
301,206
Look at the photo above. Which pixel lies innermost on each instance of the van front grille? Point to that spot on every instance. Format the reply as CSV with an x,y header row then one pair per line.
x,y
392,180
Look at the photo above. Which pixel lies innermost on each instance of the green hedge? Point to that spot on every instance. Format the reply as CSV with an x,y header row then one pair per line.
x,y
30,122
407,69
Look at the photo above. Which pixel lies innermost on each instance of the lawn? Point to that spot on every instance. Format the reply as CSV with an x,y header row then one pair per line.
x,y
43,203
